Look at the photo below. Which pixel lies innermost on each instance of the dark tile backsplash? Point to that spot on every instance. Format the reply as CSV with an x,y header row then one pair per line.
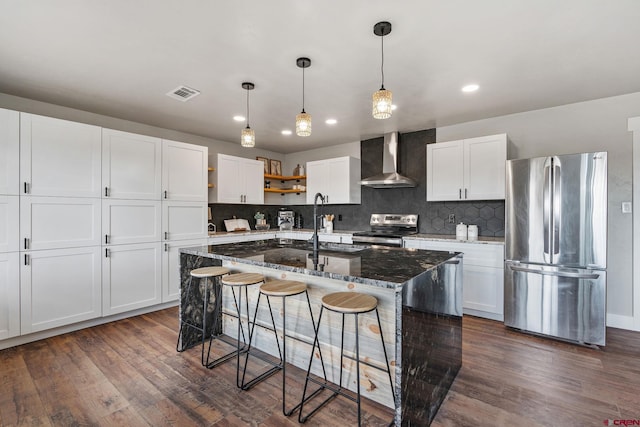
x,y
433,216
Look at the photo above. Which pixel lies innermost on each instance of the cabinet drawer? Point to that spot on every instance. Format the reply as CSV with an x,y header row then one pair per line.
x,y
474,253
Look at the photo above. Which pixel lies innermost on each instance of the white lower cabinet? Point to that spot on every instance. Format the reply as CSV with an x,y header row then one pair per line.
x,y
59,222
131,277
482,275
130,221
184,220
171,267
9,220
9,295
59,287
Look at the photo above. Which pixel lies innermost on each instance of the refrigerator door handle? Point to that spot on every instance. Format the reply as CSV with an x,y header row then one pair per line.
x,y
556,206
591,276
546,211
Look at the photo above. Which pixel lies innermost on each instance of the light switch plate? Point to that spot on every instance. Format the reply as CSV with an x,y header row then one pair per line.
x,y
626,207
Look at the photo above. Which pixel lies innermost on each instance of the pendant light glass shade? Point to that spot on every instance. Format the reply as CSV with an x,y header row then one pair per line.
x,y
303,120
303,124
248,136
382,98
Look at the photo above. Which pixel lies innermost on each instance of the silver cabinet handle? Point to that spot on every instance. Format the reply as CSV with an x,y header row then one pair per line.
x,y
26,243
166,247
26,188
556,273
106,191
106,239
166,235
465,193
166,194
26,259
106,252
459,193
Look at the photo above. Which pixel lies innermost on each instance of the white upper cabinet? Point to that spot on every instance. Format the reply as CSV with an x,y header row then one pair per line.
x,y
184,171
131,221
9,152
9,221
468,169
59,157
337,179
131,165
59,222
184,220
238,180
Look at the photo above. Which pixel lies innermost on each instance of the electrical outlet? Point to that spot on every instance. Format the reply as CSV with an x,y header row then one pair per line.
x,y
452,218
626,207
339,217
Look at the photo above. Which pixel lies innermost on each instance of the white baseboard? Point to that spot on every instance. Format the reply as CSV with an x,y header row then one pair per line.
x,y
621,322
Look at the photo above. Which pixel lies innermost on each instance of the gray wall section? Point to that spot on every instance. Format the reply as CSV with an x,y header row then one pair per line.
x,y
599,125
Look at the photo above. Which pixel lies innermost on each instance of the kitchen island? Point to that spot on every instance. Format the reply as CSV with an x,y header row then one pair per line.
x,y
419,299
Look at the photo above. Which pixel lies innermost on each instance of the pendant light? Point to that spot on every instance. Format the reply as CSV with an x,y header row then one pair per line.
x,y
382,98
248,136
303,120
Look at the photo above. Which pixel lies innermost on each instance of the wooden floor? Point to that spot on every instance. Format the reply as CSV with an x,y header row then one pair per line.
x,y
128,373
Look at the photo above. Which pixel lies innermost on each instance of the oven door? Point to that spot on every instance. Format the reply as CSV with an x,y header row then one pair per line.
x,y
378,240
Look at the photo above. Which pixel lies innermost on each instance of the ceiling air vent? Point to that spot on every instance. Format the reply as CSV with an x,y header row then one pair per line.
x,y
183,93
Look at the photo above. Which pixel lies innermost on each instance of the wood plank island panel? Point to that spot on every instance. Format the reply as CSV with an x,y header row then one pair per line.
x,y
152,385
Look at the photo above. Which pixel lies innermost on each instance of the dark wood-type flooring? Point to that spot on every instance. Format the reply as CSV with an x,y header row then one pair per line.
x,y
128,373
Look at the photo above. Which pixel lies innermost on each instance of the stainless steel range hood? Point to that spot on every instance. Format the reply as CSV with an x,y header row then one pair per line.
x,y
389,178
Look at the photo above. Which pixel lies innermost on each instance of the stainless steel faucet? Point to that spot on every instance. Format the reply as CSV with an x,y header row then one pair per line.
x,y
315,221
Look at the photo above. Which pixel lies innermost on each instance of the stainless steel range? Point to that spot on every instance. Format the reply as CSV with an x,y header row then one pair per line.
x,y
388,229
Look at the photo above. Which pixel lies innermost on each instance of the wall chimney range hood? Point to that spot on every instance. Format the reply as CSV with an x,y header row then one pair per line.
x,y
389,178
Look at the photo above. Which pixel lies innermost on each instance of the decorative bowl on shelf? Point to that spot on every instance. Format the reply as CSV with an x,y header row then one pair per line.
x,y
263,226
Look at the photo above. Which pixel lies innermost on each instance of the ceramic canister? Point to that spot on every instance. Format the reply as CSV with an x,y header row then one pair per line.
x,y
461,231
472,233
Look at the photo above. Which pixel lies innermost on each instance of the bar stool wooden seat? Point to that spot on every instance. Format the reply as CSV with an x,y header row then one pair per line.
x,y
241,281
355,303
209,274
282,289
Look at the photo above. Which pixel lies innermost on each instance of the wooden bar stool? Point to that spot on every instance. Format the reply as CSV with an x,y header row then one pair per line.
x,y
282,289
209,274
345,303
242,281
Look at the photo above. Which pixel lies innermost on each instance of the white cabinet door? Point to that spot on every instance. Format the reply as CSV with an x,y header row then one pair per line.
x,y
9,224
184,220
238,180
9,152
469,169
59,158
337,179
483,290
9,295
131,165
184,171
485,167
171,267
59,287
131,221
59,222
445,164
131,277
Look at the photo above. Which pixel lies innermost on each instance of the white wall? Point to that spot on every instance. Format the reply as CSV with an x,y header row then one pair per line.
x,y
599,125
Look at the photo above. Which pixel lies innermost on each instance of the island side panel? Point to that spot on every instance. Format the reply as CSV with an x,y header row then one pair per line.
x,y
431,340
192,305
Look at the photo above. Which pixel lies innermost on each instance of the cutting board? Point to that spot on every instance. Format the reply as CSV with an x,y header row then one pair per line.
x,y
236,225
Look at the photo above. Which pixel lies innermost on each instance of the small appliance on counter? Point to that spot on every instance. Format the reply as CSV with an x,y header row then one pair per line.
x,y
286,217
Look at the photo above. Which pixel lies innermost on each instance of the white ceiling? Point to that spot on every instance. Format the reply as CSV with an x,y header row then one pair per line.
x,y
120,57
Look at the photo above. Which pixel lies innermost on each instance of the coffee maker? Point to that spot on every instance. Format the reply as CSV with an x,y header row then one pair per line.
x,y
286,218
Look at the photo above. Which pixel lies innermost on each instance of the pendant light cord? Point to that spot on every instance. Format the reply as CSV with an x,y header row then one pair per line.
x,y
382,64
303,89
247,108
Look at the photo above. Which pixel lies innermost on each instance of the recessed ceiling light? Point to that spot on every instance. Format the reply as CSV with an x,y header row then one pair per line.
x,y
331,121
470,88
239,118
393,107
286,132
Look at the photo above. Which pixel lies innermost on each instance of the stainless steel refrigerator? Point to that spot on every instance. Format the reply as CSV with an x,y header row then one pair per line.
x,y
556,246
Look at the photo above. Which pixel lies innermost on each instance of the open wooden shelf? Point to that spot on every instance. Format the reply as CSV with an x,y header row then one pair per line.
x,y
284,178
283,190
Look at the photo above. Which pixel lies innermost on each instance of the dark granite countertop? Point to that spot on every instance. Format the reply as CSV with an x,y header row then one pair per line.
x,y
373,265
